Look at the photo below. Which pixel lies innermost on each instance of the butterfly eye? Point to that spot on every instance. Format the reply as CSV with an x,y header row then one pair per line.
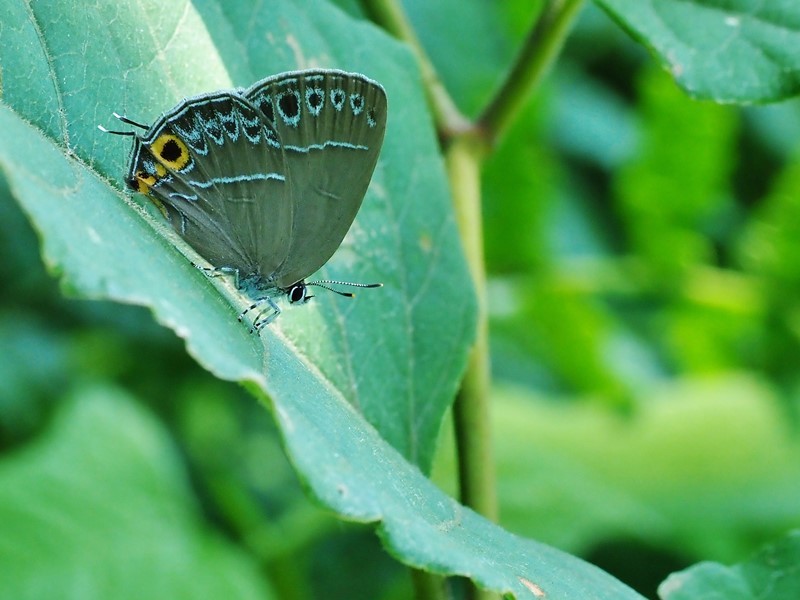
x,y
297,293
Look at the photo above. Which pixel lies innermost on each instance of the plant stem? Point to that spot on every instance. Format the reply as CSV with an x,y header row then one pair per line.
x,y
389,14
471,411
539,51
427,585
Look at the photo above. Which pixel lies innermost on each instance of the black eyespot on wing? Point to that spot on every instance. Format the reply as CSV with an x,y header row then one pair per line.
x,y
337,98
356,103
231,127
315,99
252,129
171,151
207,116
289,105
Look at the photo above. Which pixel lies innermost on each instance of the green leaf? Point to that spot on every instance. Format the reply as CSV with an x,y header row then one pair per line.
x,y
771,574
733,51
100,507
344,377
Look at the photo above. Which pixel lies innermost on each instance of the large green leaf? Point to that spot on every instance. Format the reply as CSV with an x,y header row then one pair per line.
x,y
344,377
733,51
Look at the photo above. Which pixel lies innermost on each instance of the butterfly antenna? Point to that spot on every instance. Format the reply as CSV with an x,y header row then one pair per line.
x,y
111,131
125,120
128,121
326,284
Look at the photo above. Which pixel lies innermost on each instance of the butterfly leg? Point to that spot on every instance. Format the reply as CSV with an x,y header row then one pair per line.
x,y
215,271
258,322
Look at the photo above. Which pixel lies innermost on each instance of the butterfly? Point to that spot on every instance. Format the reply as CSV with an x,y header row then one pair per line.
x,y
265,182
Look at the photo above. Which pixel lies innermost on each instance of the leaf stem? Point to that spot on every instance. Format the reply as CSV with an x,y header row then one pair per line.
x,y
539,51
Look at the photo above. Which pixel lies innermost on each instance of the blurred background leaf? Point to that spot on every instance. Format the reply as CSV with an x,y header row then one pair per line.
x,y
770,573
102,491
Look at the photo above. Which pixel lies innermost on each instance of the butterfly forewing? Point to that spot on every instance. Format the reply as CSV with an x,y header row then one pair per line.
x,y
330,125
216,167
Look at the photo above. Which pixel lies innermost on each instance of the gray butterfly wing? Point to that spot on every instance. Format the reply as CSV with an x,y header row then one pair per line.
x,y
331,126
215,168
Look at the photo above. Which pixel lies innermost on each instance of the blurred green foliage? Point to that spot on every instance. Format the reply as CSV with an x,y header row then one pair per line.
x,y
644,259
